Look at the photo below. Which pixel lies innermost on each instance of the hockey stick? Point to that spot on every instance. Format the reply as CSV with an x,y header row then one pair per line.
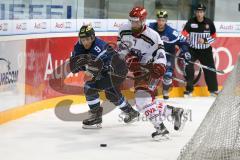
x,y
146,71
198,64
94,69
184,74
90,69
179,80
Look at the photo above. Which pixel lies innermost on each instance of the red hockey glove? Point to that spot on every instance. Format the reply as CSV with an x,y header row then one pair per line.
x,y
157,70
132,62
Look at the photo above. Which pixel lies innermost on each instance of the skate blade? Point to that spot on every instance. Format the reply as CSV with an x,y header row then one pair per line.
x,y
161,137
96,126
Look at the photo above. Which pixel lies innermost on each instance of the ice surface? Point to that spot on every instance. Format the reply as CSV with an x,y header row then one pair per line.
x,y
42,136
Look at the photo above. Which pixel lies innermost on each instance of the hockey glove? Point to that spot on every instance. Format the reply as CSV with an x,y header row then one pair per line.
x,y
157,70
78,63
186,55
95,67
132,62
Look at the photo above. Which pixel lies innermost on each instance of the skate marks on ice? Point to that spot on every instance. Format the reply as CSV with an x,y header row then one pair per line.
x,y
44,136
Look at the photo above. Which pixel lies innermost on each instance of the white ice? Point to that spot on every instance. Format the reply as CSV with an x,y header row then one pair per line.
x,y
42,136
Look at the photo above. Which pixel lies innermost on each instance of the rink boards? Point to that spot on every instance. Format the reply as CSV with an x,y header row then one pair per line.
x,y
32,61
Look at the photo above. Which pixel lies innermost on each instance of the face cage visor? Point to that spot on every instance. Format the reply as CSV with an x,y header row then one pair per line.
x,y
136,20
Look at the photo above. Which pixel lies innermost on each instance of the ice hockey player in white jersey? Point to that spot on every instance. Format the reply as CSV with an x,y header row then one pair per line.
x,y
144,52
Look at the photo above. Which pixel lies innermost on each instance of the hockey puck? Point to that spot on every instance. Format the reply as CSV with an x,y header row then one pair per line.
x,y
103,145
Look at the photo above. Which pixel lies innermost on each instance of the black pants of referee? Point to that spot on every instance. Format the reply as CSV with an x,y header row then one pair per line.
x,y
205,56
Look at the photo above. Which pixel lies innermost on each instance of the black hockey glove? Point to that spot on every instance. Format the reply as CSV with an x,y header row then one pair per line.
x,y
79,62
186,55
95,67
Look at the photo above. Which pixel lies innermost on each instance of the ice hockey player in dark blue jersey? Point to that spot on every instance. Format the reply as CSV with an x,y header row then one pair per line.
x,y
171,39
93,55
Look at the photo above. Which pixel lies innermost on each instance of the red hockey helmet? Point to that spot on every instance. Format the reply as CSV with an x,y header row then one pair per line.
x,y
138,14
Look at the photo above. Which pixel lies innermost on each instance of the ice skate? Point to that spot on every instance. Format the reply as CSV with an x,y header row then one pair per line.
x,y
95,119
165,95
161,133
177,114
130,114
187,94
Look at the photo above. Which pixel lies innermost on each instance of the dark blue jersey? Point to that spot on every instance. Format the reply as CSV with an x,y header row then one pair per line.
x,y
170,38
98,51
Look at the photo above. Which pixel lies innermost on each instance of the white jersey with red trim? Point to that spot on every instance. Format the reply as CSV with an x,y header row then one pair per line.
x,y
148,45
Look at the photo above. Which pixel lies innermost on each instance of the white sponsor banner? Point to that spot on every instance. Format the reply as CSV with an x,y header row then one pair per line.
x,y
40,25
227,27
12,73
172,23
180,25
148,21
5,27
63,25
12,27
114,24
98,24
221,27
20,27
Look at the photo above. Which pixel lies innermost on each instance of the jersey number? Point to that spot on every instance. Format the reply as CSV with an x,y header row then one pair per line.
x,y
97,49
135,41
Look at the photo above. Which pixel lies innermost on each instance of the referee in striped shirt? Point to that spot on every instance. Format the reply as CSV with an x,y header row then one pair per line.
x,y
200,32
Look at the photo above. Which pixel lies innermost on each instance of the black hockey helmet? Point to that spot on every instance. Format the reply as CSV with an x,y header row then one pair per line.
x,y
200,7
86,31
162,14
